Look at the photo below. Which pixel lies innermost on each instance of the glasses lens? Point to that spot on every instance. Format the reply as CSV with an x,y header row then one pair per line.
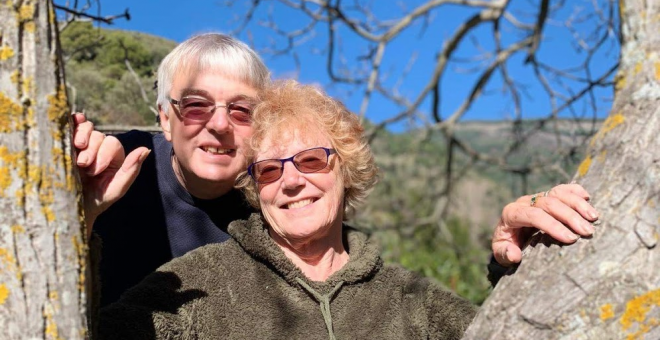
x,y
196,108
240,113
267,171
311,160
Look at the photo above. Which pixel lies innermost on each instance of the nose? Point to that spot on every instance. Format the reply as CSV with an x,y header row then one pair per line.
x,y
291,177
219,121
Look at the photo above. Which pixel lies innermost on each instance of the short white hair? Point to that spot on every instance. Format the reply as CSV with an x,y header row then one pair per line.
x,y
211,52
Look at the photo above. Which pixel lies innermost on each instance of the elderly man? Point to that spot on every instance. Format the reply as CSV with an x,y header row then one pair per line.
x,y
152,198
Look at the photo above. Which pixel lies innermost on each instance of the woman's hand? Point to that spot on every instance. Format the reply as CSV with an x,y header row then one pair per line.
x,y
562,212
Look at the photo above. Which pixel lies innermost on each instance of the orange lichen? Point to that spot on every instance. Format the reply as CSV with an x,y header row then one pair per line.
x,y
606,312
636,311
584,166
17,229
6,52
4,293
611,122
657,71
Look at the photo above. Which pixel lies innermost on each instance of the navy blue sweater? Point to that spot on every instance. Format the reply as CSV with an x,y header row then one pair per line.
x,y
157,220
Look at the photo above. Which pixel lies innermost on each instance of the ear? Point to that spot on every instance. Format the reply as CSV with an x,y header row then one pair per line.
x,y
164,123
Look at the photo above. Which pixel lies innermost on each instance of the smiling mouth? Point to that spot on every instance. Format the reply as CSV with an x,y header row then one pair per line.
x,y
299,204
216,151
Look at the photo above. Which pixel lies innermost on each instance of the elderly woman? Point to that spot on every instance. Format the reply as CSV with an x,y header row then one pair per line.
x,y
295,271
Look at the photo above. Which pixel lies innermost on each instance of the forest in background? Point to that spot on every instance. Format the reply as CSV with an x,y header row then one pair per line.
x,y
110,76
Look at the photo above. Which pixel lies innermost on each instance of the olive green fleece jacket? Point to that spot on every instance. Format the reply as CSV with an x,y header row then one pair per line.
x,y
246,288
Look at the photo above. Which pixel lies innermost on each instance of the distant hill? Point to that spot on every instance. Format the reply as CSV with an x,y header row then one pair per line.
x,y
100,82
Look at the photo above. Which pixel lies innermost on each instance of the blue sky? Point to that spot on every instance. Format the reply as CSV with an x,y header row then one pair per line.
x,y
178,20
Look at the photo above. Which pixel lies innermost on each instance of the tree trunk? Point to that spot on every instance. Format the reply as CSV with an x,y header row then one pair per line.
x,y
43,258
607,287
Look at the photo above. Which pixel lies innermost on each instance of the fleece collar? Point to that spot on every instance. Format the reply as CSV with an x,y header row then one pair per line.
x,y
252,236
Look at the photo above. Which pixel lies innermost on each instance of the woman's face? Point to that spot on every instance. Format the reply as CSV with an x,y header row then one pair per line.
x,y
302,207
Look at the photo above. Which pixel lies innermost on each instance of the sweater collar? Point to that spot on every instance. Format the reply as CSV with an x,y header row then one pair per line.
x,y
364,262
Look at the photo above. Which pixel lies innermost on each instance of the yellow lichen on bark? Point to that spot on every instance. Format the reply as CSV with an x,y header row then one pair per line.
x,y
619,82
14,77
81,251
10,115
28,86
636,311
657,71
638,68
601,156
611,122
25,12
51,331
30,27
4,293
584,166
9,263
8,162
6,52
58,107
606,312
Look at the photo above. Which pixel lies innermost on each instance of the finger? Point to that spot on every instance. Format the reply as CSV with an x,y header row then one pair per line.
x,y
576,197
79,117
82,131
88,155
566,213
127,174
516,216
507,253
110,154
572,188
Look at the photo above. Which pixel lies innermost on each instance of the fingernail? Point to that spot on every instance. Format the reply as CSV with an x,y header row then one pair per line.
x,y
571,236
588,227
82,160
593,214
144,155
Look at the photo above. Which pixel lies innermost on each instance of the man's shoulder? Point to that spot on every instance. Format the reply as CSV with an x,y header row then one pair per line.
x,y
135,138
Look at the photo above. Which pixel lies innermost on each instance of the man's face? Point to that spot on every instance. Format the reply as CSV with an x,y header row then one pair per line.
x,y
208,154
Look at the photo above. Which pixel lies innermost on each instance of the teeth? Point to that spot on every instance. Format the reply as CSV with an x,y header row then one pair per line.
x,y
299,204
213,150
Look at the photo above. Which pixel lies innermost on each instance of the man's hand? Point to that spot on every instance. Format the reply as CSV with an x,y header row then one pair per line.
x,y
561,213
105,171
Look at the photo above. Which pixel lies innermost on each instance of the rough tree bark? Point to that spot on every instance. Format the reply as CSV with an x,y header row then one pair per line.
x,y
42,253
607,287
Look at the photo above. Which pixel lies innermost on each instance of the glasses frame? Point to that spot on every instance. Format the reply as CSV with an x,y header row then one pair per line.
x,y
177,103
328,152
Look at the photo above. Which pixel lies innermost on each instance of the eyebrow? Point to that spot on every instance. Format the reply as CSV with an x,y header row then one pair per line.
x,y
203,93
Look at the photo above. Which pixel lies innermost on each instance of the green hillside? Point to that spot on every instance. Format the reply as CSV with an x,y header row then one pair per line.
x,y
97,69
